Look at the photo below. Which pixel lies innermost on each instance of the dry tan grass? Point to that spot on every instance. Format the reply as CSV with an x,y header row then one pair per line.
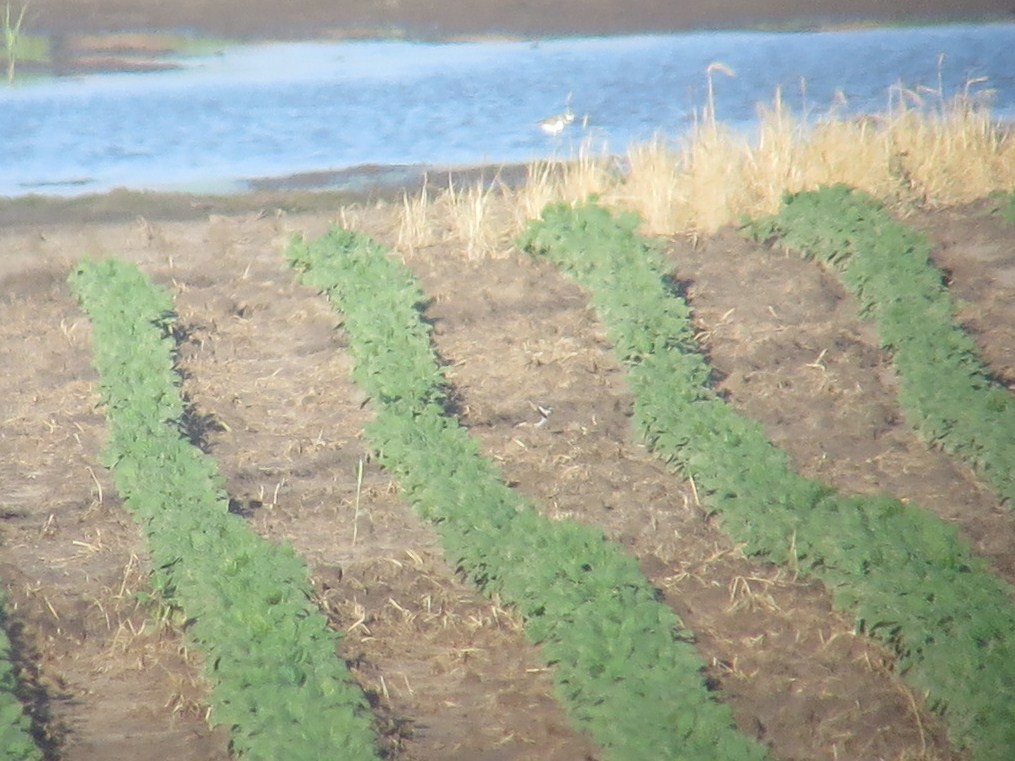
x,y
951,151
471,218
414,226
570,181
475,218
654,187
924,150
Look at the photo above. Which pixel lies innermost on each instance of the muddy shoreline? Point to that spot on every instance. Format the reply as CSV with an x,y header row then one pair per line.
x,y
296,194
448,19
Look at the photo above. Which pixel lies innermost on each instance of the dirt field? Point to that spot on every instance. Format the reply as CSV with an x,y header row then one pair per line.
x,y
451,673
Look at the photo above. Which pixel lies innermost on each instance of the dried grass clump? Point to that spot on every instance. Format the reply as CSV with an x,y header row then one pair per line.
x,y
482,219
929,152
416,228
591,174
654,187
475,219
924,150
950,151
856,151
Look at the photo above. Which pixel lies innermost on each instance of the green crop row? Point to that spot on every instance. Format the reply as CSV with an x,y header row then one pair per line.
x,y
16,743
903,573
269,654
625,670
945,389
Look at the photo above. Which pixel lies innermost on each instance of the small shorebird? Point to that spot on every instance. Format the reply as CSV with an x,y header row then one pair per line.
x,y
554,125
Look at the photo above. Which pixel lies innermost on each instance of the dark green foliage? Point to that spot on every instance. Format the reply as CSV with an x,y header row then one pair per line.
x,y
903,573
1005,205
625,669
269,654
944,388
16,743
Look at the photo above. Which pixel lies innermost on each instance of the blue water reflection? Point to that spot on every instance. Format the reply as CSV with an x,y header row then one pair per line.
x,y
279,109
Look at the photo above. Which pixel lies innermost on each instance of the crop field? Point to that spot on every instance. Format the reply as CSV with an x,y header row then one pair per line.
x,y
580,489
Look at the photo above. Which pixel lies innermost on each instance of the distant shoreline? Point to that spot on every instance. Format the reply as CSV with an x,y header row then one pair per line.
x,y
483,19
110,17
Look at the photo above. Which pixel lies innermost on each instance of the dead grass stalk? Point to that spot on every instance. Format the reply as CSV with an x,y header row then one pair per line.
x,y
925,150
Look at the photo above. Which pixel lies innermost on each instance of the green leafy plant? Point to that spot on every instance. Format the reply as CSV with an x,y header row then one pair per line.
x,y
16,743
904,574
945,389
1004,205
625,668
270,654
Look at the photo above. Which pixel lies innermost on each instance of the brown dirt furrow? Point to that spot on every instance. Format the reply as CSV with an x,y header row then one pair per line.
x,y
521,339
978,262
105,683
450,672
785,337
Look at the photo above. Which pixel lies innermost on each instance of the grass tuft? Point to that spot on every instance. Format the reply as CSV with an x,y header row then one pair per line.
x,y
471,213
926,149
12,34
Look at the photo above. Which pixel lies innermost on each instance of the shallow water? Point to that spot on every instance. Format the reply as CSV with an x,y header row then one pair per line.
x,y
274,110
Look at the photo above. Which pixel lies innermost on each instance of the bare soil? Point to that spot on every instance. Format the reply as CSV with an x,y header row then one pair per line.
x,y
450,671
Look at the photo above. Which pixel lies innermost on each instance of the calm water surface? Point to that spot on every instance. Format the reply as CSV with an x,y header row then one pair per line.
x,y
279,109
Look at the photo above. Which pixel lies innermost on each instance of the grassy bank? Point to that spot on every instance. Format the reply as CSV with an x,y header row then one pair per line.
x,y
923,150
